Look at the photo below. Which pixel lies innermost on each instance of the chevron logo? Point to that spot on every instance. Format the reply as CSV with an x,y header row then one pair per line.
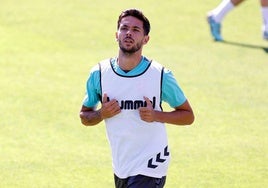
x,y
160,158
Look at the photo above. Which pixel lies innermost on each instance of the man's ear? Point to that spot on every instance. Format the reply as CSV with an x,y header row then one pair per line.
x,y
116,36
146,39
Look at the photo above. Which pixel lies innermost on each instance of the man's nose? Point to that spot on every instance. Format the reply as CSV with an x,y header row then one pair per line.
x,y
129,33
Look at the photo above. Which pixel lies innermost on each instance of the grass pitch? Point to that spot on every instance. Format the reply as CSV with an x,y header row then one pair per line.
x,y
47,48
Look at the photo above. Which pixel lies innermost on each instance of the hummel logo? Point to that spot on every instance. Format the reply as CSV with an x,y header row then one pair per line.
x,y
160,158
133,105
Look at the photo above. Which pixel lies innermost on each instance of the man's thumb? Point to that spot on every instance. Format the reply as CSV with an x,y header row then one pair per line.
x,y
104,98
148,102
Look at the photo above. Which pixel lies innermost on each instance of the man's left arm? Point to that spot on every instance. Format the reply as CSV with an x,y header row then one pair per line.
x,y
181,115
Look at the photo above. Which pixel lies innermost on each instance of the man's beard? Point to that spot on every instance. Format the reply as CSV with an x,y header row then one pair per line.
x,y
132,50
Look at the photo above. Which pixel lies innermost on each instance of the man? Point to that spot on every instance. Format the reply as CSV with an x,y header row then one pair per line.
x,y
216,16
131,89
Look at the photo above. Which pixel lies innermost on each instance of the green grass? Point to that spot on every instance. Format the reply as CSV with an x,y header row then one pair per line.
x,y
46,51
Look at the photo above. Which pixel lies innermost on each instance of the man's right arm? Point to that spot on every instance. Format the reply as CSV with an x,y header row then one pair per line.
x,y
90,116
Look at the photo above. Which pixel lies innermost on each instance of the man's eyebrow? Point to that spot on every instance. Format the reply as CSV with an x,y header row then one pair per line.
x,y
135,27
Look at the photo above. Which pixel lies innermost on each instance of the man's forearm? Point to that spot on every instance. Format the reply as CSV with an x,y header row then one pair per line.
x,y
90,118
176,117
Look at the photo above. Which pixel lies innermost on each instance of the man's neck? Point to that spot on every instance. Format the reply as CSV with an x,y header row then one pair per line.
x,y
128,62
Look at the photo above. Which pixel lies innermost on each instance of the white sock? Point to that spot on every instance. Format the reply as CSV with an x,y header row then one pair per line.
x,y
264,11
221,10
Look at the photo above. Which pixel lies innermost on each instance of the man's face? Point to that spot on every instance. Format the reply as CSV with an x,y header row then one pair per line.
x,y
130,35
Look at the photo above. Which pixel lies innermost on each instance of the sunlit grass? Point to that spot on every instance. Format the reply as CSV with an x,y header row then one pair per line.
x,y
47,49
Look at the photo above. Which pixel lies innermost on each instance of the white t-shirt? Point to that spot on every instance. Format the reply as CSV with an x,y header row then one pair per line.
x,y
137,147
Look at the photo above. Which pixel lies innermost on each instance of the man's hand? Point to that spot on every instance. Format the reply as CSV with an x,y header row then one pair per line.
x,y
147,113
109,108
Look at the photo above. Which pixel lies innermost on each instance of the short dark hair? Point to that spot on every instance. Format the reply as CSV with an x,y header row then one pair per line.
x,y
137,14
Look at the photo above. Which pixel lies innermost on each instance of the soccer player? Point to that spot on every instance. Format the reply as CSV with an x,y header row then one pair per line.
x,y
131,89
216,16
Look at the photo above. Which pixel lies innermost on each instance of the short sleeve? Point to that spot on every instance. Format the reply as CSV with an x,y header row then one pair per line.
x,y
93,90
171,91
